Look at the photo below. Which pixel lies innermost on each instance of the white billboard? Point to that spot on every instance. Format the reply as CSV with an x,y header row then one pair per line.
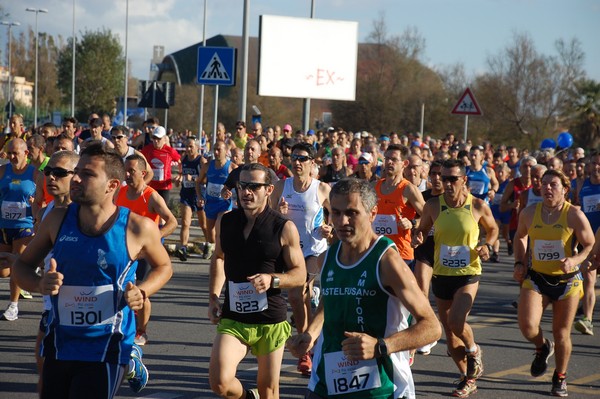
x,y
307,58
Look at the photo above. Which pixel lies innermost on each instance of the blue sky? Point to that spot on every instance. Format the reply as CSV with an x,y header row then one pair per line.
x,y
459,31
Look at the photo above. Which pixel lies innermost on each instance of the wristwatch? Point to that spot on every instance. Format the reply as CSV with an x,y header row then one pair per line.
x,y
381,348
275,281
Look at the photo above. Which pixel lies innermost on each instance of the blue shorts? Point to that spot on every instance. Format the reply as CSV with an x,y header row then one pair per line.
x,y
212,209
503,217
10,235
190,199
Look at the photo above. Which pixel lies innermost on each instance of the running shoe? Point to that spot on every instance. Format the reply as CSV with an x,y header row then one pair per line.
x,y
182,254
474,364
540,363
584,326
510,249
426,350
411,358
559,386
25,294
465,387
494,257
11,313
252,394
209,249
141,339
305,364
138,376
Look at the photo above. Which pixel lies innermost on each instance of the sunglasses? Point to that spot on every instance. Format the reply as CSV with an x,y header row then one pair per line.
x,y
363,162
301,158
243,185
59,173
117,137
451,179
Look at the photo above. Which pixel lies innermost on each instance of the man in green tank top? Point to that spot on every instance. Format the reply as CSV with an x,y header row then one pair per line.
x,y
361,323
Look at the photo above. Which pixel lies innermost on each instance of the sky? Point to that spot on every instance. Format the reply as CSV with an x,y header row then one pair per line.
x,y
459,31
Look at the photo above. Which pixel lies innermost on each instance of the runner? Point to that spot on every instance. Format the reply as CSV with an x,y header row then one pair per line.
x,y
257,255
160,156
17,191
303,199
362,320
86,353
550,274
456,216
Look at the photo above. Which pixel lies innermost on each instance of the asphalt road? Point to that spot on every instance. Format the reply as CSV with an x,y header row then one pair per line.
x,y
180,340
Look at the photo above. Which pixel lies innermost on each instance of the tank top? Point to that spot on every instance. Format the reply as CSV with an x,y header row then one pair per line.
x,y
355,299
190,167
589,198
90,320
47,299
215,179
532,198
518,187
390,208
498,197
138,205
306,211
479,182
548,243
332,176
15,193
261,252
456,234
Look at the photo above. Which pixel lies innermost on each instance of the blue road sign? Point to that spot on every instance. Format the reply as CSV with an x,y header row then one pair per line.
x,y
216,66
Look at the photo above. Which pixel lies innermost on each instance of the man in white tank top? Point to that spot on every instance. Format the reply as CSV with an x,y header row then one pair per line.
x,y
304,199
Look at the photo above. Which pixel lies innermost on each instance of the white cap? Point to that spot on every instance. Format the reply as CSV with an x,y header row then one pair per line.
x,y
159,132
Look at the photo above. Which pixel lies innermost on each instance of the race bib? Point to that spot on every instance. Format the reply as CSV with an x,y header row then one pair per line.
x,y
546,250
591,203
243,298
348,376
455,256
385,225
476,187
81,306
188,183
12,210
214,190
159,174
497,199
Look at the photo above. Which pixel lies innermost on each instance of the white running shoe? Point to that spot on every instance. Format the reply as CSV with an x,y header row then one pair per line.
x,y
426,349
11,313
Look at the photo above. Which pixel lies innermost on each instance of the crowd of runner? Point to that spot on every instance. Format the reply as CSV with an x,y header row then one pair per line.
x,y
351,230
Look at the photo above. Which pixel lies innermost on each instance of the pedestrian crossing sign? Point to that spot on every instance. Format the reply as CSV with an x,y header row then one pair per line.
x,y
467,105
216,66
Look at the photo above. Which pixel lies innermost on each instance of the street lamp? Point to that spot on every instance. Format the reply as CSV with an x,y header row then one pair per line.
x,y
126,69
73,67
35,107
10,25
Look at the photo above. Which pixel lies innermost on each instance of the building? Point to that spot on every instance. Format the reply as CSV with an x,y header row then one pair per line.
x,y
22,90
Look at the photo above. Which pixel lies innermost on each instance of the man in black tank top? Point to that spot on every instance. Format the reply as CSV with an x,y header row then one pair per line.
x,y
257,254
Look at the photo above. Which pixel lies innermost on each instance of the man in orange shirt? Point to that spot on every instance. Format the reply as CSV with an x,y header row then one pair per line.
x,y
144,200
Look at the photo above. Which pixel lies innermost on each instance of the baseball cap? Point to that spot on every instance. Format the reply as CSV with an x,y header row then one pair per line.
x,y
331,129
288,127
310,132
455,147
364,134
357,135
159,132
384,138
366,156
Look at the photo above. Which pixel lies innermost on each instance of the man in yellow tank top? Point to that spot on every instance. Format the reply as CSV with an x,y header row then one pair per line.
x,y
455,216
548,272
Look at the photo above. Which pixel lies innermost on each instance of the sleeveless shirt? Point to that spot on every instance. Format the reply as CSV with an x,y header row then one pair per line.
x,y
456,234
355,299
90,320
140,204
15,193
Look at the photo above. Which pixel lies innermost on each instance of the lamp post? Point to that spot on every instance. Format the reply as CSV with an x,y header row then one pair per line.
x,y
73,67
10,25
126,64
35,106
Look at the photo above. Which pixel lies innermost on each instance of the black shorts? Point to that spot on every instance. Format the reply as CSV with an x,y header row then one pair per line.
x,y
444,287
76,379
142,270
424,252
44,321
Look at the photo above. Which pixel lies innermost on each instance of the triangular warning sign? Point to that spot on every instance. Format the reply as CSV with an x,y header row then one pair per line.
x,y
467,105
215,69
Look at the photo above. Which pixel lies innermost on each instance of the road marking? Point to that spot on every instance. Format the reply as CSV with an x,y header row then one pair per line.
x,y
573,386
477,323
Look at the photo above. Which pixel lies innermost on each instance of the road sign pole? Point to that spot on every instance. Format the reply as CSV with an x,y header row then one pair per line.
x,y
166,119
466,127
154,98
216,110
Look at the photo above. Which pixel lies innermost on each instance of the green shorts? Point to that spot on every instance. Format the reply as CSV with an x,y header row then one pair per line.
x,y
261,338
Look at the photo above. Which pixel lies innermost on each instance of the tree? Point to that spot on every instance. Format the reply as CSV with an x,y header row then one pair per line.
x,y
98,75
584,118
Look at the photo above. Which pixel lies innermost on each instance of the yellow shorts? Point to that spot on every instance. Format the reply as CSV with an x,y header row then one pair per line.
x,y
261,338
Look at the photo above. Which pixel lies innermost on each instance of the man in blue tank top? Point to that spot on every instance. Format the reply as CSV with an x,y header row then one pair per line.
x,y
361,323
17,189
91,327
